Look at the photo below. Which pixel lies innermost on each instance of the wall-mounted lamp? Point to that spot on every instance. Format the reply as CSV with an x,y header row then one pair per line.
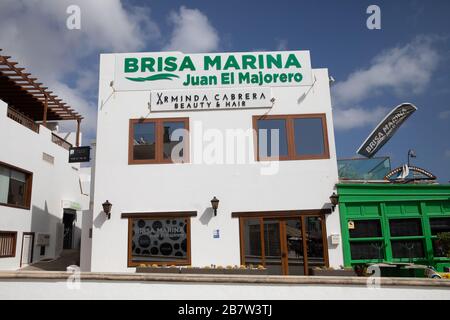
x,y
334,199
107,208
215,205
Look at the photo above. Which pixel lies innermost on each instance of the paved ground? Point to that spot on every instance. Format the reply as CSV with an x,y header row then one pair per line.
x,y
67,258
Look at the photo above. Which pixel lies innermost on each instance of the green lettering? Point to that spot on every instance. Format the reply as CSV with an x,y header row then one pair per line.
x,y
231,63
147,63
248,61
187,64
213,63
292,61
131,65
274,61
244,77
170,64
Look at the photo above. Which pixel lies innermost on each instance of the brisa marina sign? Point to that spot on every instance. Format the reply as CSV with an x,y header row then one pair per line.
x,y
175,70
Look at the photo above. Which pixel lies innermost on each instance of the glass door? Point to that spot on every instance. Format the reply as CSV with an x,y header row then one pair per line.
x,y
293,251
284,245
273,247
315,241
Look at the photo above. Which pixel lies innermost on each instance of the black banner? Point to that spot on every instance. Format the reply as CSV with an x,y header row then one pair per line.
x,y
79,154
386,129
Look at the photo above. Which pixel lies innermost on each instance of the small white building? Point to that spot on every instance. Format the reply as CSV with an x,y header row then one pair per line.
x,y
41,195
258,136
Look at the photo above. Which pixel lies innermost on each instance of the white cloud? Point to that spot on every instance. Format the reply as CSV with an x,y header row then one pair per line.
x,y
401,69
76,99
444,115
357,117
447,153
34,33
192,32
282,44
408,68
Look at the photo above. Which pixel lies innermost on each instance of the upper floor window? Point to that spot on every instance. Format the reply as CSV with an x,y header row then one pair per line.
x,y
15,186
291,137
159,141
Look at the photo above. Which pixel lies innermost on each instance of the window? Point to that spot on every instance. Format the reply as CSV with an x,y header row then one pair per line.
x,y
158,141
252,241
366,240
308,137
273,132
367,250
408,249
407,239
15,186
366,229
144,141
159,239
8,244
291,137
439,225
405,227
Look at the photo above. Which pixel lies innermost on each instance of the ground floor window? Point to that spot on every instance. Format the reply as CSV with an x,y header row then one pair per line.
x,y
162,239
8,241
439,225
283,242
402,239
366,239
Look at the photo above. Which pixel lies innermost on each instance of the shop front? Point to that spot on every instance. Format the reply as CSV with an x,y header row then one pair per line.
x,y
206,167
394,223
286,242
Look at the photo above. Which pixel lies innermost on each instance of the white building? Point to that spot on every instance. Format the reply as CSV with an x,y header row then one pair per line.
x,y
41,196
274,213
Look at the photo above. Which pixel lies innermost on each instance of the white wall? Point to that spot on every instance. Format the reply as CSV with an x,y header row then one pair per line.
x,y
86,239
52,183
298,185
160,290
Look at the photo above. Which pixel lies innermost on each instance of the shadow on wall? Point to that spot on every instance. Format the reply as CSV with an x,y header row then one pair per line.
x,y
42,221
206,216
100,219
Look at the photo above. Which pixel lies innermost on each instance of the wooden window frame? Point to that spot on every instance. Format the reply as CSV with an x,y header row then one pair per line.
x,y
13,253
28,187
159,144
290,136
283,215
154,216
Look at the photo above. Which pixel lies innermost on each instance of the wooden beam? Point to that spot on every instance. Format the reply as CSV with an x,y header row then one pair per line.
x,y
45,112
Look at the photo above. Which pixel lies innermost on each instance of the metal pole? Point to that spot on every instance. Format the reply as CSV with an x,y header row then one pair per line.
x,y
78,132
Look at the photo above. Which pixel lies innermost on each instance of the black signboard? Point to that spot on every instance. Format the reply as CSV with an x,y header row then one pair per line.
x,y
79,154
386,129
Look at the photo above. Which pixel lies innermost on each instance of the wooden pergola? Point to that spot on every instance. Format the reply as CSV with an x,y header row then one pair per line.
x,y
22,93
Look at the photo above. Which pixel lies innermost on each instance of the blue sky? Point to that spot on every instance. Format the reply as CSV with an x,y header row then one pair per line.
x,y
375,70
